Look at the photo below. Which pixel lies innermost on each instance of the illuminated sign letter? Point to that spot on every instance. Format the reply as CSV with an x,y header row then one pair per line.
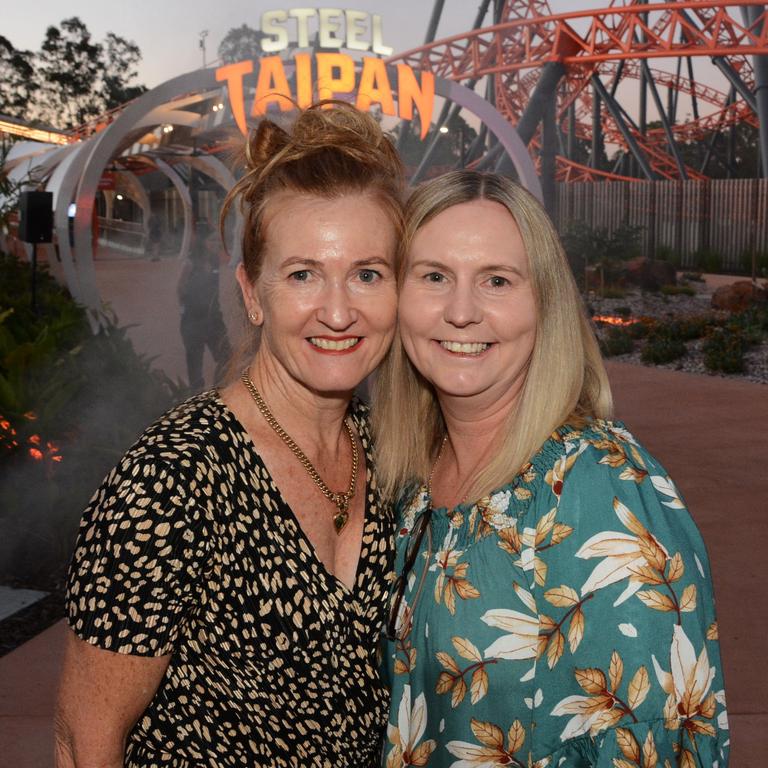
x,y
378,46
409,92
303,79
374,86
272,86
355,20
233,75
302,16
277,36
330,22
327,84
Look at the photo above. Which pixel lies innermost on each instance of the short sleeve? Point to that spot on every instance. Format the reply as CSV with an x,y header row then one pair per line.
x,y
630,672
141,547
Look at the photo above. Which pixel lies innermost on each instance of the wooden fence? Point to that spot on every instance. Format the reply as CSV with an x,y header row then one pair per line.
x,y
728,217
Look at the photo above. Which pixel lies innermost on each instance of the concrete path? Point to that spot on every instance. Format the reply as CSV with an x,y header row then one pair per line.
x,y
711,435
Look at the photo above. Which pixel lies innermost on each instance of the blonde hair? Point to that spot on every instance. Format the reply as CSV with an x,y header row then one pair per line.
x,y
331,149
565,381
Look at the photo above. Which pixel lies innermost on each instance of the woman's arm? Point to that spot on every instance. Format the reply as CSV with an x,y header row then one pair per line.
x,y
630,671
101,695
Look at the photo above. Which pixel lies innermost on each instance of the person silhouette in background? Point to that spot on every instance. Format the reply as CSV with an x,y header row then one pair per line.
x,y
154,236
202,324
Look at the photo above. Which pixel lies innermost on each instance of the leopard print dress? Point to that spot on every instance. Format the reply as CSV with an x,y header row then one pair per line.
x,y
188,549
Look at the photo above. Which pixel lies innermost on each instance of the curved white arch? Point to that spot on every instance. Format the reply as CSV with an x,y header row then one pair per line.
x,y
186,201
81,178
104,146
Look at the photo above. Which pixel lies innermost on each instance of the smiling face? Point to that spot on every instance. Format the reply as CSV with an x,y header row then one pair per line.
x,y
326,295
467,309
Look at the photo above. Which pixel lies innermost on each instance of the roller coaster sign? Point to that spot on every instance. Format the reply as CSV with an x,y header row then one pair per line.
x,y
328,74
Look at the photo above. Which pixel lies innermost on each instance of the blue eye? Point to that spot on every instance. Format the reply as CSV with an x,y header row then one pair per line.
x,y
300,276
369,275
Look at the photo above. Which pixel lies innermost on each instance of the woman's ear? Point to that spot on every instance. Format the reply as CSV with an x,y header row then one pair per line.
x,y
250,296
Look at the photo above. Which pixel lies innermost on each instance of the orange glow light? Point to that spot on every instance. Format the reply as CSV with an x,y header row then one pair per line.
x,y
36,454
30,415
34,439
615,320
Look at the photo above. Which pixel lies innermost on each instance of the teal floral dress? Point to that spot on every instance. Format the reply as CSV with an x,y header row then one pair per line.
x,y
564,621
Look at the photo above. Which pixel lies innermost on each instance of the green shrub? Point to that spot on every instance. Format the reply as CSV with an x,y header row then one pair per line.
x,y
616,342
693,277
694,327
759,260
663,345
752,323
678,290
73,402
724,350
707,260
667,253
600,248
640,329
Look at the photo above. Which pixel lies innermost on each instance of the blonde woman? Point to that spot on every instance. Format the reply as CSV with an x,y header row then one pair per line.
x,y
553,602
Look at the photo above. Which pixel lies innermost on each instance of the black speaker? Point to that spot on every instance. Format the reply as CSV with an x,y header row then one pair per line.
x,y
36,217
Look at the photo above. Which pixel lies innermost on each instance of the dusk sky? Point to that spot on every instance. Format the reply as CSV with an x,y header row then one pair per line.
x,y
167,31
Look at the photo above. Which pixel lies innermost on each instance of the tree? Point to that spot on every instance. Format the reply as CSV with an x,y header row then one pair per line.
x,y
71,78
70,65
120,60
240,43
17,79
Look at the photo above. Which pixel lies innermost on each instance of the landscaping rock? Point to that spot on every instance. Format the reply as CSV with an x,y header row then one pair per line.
x,y
649,274
738,296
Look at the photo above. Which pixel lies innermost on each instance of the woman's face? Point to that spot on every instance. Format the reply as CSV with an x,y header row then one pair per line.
x,y
467,310
326,297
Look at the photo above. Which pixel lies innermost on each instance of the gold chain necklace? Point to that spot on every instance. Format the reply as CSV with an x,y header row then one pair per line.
x,y
340,499
434,467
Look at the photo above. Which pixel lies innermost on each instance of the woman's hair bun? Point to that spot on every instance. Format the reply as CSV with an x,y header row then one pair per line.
x,y
264,142
331,149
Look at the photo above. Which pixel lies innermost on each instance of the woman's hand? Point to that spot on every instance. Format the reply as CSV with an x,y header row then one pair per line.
x,y
101,695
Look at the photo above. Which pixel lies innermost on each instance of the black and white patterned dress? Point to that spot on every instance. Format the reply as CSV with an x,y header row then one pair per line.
x,y
189,549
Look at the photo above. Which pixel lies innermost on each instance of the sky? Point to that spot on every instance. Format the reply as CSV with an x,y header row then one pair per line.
x,y
168,31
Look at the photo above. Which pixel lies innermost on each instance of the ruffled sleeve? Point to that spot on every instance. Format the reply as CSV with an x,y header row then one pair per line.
x,y
629,674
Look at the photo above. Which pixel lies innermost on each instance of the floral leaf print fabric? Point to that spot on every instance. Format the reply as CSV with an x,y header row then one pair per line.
x,y
565,621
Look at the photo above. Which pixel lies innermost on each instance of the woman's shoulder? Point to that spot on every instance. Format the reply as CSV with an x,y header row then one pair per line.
x,y
187,432
610,443
599,455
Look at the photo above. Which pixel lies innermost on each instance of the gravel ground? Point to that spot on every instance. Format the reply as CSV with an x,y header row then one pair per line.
x,y
663,307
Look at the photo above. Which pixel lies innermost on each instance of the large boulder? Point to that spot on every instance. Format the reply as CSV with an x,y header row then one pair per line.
x,y
649,274
738,296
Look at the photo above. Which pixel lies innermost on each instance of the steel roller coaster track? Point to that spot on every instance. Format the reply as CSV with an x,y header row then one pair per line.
x,y
612,46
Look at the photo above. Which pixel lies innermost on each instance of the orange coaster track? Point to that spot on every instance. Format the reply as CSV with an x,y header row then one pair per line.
x,y
612,44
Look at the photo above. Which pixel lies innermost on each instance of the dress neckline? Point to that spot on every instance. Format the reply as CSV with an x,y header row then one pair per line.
x,y
369,520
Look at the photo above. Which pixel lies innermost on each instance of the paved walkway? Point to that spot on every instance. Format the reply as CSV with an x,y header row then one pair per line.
x,y
711,435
